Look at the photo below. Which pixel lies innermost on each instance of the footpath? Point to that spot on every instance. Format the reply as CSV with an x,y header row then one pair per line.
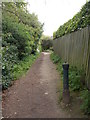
x,y
35,94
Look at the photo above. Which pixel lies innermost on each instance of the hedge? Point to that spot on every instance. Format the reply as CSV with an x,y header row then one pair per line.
x,y
79,21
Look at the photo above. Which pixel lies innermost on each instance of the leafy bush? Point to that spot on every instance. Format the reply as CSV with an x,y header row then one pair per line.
x,y
46,42
79,21
13,70
21,32
20,28
9,58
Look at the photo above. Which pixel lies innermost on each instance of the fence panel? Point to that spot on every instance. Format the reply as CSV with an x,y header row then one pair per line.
x,y
74,48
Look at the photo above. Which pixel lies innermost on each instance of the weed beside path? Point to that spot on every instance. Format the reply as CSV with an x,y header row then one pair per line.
x,y
80,95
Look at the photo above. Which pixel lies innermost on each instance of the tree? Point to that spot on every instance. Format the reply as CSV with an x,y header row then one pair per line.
x,y
21,34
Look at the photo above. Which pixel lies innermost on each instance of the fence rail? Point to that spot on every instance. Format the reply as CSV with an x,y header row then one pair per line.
x,y
74,48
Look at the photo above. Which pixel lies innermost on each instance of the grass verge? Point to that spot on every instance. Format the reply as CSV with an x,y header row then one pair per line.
x,y
76,86
22,67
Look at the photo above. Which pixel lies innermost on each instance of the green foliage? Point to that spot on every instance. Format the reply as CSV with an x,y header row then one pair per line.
x,y
12,71
46,43
79,21
85,97
21,67
9,58
20,28
75,83
45,37
75,76
55,58
21,32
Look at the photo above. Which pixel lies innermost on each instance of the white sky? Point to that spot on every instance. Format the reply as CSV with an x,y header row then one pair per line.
x,y
54,13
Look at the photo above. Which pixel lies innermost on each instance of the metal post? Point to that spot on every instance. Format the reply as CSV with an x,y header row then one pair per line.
x,y
66,94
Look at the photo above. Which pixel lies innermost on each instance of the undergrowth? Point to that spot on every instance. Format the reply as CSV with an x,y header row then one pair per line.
x,y
18,69
23,66
85,97
75,84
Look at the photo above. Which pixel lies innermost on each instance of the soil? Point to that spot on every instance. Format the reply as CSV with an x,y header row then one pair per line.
x,y
35,94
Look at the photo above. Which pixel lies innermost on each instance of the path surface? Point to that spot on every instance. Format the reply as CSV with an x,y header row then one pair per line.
x,y
34,96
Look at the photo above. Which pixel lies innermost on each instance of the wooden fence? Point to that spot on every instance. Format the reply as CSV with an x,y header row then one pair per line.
x,y
74,48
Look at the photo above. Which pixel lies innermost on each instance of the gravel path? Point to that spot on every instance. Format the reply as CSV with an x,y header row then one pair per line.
x,y
34,95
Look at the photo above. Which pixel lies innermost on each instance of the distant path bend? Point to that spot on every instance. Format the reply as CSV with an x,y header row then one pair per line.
x,y
34,96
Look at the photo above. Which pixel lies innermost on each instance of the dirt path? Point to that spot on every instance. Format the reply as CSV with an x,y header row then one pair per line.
x,y
34,96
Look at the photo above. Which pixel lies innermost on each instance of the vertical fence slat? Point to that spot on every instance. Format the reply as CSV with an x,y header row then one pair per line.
x,y
74,48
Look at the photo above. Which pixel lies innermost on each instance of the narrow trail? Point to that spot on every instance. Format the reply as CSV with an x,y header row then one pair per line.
x,y
34,95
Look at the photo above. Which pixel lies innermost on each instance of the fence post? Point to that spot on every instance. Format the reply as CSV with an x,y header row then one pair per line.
x,y
66,93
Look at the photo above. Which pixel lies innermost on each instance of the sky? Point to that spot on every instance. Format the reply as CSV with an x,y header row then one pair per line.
x,y
54,13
